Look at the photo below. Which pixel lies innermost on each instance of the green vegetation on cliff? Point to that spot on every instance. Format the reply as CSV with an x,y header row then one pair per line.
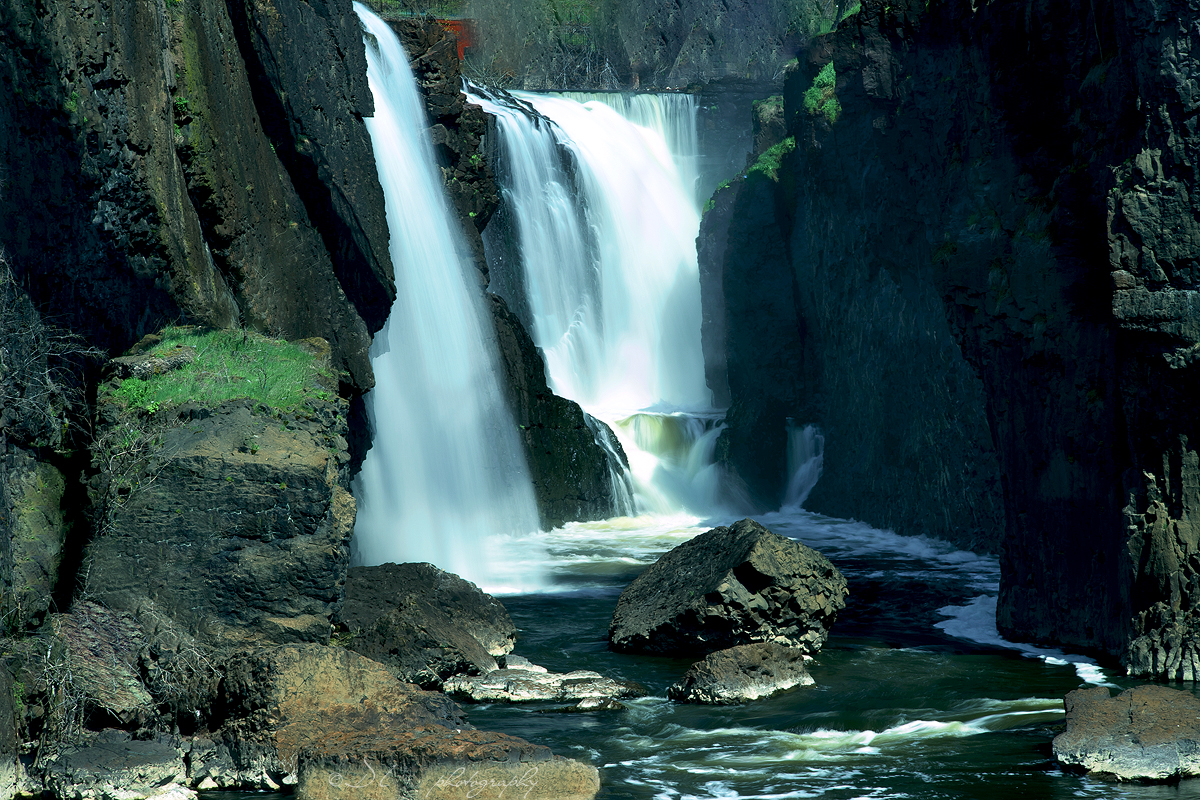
x,y
772,158
214,366
820,97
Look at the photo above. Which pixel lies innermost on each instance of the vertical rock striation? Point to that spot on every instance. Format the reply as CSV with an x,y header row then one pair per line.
x,y
140,186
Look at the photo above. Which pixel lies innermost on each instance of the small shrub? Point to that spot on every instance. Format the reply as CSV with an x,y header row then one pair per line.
x,y
820,98
772,158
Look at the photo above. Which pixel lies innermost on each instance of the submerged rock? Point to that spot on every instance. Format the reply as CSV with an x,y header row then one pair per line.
x,y
530,685
727,587
1148,733
743,673
424,623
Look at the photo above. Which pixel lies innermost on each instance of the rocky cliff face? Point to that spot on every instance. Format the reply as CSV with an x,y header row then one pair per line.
x,y
140,185
972,236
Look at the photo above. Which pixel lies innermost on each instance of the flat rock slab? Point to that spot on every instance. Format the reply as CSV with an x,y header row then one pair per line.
x,y
375,779
740,674
730,586
112,766
1148,733
526,686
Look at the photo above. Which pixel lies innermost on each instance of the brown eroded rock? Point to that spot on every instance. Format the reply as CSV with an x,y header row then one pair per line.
x,y
348,728
1147,733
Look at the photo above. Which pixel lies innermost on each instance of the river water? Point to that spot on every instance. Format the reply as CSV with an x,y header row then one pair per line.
x,y
916,695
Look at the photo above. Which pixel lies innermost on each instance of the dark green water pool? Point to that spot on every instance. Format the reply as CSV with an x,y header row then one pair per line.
x,y
901,708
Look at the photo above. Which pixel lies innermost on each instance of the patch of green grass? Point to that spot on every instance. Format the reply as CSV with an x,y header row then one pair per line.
x,y
228,365
771,159
820,97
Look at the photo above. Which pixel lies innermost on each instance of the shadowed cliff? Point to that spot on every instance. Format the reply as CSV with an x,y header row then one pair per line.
x,y
993,225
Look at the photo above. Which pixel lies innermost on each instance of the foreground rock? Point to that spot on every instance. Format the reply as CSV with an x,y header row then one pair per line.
x,y
727,587
423,623
740,674
236,514
1148,733
111,765
529,685
342,726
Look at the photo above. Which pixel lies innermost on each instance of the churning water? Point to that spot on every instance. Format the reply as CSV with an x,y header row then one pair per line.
x,y
445,480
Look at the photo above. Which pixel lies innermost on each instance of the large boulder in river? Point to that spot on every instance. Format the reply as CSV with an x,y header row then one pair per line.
x,y
740,674
424,624
730,586
1147,733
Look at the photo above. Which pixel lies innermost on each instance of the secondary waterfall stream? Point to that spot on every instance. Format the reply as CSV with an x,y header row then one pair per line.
x,y
445,480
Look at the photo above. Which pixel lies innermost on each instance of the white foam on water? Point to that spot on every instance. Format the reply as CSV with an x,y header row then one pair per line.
x,y
976,622
852,539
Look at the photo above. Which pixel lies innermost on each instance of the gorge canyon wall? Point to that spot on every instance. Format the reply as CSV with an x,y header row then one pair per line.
x,y
976,271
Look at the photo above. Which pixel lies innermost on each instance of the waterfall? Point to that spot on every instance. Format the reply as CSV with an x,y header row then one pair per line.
x,y
607,246
805,458
445,480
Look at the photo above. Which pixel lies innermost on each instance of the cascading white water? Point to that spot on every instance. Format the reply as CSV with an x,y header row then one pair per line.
x,y
609,257
805,460
445,478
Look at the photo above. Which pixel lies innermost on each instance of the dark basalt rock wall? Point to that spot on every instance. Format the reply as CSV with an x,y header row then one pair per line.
x,y
993,252
139,186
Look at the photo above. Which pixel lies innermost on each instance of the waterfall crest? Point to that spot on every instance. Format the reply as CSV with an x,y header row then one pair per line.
x,y
445,480
805,460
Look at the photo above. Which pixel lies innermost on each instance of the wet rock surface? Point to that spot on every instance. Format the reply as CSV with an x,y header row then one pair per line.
x,y
425,624
1148,733
238,516
574,478
726,587
740,674
516,685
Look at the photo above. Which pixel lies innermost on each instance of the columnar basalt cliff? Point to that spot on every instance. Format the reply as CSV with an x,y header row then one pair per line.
x,y
987,227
